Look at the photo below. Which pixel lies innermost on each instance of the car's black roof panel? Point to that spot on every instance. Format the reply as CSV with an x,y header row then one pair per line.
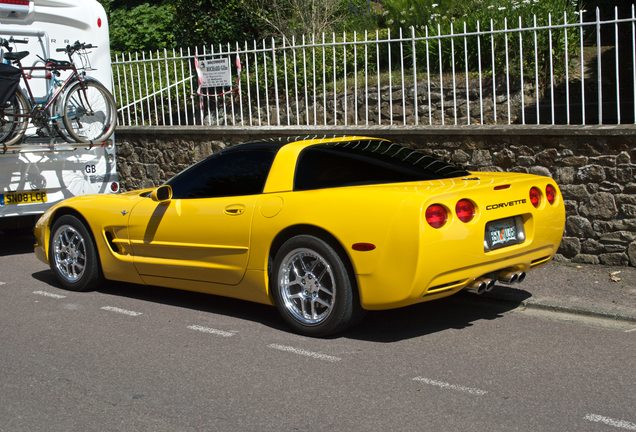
x,y
275,144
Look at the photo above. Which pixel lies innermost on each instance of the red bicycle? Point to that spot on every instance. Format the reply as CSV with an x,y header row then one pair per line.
x,y
78,108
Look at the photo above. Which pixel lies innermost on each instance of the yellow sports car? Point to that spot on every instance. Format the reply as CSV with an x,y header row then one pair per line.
x,y
323,228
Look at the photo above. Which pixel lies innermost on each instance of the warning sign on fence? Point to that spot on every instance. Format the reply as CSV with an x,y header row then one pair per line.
x,y
215,73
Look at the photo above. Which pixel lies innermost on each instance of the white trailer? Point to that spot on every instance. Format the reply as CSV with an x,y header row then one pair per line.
x,y
42,170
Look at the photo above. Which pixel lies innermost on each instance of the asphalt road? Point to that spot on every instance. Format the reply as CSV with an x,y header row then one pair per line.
x,y
133,358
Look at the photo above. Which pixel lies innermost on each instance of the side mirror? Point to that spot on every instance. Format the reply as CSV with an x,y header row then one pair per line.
x,y
162,193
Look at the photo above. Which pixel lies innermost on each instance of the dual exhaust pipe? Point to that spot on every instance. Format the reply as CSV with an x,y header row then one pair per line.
x,y
484,284
512,277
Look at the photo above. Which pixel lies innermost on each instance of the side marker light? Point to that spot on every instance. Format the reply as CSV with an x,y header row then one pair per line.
x,y
363,247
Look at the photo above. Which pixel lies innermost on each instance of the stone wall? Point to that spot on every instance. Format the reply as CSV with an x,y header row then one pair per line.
x,y
594,166
395,106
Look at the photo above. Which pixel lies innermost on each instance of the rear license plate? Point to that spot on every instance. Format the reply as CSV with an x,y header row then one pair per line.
x,y
14,198
504,232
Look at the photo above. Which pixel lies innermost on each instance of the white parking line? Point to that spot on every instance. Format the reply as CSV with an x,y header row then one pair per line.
x,y
449,386
213,331
2,283
621,424
630,330
305,353
121,311
48,294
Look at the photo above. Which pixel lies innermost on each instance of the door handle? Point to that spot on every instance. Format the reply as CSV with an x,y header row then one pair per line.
x,y
235,210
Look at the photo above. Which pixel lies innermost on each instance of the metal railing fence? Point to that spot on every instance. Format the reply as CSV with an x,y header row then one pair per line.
x,y
566,71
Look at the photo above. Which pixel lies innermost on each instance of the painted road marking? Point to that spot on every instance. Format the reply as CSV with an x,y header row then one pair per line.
x,y
449,386
2,283
305,353
630,330
621,424
213,331
48,294
120,311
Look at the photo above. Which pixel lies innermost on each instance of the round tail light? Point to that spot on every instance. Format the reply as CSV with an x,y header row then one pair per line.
x,y
465,210
550,193
114,187
436,215
535,196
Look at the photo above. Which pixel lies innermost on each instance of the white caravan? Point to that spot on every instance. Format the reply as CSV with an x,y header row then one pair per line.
x,y
41,170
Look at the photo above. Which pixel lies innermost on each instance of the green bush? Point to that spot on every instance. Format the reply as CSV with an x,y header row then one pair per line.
x,y
434,17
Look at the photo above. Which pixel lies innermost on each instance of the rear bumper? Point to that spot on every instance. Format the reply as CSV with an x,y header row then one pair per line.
x,y
378,295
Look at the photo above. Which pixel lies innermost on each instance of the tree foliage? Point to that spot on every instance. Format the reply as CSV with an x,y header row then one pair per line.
x,y
288,17
203,22
140,25
143,25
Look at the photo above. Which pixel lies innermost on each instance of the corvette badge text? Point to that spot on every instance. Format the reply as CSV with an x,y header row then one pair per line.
x,y
505,204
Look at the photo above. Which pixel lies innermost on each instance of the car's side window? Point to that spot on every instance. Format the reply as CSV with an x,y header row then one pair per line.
x,y
233,173
327,166
367,162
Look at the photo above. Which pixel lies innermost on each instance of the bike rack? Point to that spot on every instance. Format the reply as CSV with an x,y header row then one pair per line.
x,y
48,147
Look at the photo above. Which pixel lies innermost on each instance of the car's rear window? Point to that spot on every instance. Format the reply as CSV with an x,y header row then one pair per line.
x,y
367,162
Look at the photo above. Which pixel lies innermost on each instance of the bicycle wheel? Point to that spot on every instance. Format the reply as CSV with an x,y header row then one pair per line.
x,y
88,112
13,125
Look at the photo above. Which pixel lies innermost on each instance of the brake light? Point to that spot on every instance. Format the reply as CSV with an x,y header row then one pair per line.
x,y
436,215
465,210
535,196
114,187
550,193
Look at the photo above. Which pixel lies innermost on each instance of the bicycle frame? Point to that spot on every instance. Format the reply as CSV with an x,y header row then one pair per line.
x,y
51,98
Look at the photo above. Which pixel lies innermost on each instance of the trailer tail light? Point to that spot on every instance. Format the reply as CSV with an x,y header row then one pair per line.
x,y
436,215
15,2
99,23
114,187
16,10
550,193
465,210
535,196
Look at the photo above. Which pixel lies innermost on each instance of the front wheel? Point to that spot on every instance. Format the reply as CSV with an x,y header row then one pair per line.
x,y
89,112
73,256
312,288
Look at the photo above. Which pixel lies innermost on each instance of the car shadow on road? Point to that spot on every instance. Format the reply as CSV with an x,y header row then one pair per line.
x,y
455,312
240,309
16,242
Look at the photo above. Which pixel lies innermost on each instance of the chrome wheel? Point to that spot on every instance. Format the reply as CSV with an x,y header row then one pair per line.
x,y
69,253
307,286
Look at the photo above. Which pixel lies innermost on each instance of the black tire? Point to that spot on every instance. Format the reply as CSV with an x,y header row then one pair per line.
x,y
88,112
312,288
12,127
73,256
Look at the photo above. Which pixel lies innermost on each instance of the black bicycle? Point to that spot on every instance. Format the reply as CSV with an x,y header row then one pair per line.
x,y
78,108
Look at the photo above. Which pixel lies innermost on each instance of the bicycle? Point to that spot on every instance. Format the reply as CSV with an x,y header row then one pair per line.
x,y
87,109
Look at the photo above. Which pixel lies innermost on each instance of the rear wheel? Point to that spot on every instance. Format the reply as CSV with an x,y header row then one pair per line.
x,y
312,288
73,256
89,112
12,123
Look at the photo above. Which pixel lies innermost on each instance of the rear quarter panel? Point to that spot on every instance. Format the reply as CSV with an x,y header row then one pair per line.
x,y
411,257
